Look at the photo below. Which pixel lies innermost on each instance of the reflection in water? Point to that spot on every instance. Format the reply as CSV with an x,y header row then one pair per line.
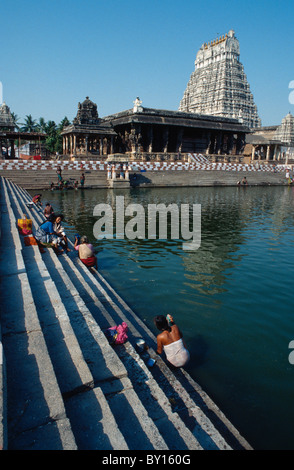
x,y
232,297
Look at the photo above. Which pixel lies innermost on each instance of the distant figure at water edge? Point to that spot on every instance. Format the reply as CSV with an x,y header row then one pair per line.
x,y
37,199
48,210
45,235
244,181
86,252
82,180
170,340
58,171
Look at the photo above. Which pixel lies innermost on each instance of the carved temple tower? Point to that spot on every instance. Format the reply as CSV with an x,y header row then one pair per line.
x,y
285,132
219,86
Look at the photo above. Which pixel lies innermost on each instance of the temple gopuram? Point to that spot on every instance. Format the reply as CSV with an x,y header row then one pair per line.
x,y
217,118
218,86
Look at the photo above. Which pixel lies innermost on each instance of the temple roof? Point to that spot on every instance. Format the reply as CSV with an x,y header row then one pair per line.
x,y
285,132
87,113
87,121
175,118
6,119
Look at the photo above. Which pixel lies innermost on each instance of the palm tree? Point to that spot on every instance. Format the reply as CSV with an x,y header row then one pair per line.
x,y
65,122
15,118
42,126
51,128
29,125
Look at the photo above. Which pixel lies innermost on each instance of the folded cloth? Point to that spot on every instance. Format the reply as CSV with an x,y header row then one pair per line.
x,y
25,225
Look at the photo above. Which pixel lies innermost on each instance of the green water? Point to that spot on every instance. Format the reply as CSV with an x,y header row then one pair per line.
x,y
232,298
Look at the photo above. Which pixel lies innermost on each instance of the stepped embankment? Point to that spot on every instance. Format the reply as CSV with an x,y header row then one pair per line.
x,y
38,175
62,385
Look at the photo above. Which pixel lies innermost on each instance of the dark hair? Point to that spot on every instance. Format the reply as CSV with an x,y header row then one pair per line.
x,y
59,215
52,218
161,323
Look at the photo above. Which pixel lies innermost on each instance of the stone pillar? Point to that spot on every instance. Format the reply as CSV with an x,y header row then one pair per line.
x,y
268,148
179,141
111,144
63,145
87,144
231,148
71,144
165,140
219,143
150,138
105,146
75,144
132,139
12,153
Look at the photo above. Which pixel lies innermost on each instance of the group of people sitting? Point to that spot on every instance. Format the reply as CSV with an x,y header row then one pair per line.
x,y
52,233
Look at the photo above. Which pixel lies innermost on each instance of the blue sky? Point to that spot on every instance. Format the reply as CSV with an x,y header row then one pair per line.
x,y
54,53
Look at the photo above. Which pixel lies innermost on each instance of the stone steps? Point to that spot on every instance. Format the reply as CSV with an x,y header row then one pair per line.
x,y
38,176
67,290
34,406
38,179
71,366
102,397
206,178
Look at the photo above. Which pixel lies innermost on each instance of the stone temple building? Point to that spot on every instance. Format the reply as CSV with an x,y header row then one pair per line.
x,y
285,132
148,134
219,86
6,119
272,142
88,134
9,137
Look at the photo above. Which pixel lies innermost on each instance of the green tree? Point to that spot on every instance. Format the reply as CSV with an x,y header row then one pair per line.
x,y
15,118
51,139
64,122
51,128
42,126
29,125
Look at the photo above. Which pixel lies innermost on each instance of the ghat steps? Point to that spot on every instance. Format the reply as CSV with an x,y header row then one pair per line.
x,y
39,175
62,385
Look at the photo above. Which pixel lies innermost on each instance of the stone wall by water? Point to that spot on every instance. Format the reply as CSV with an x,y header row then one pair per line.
x,y
40,174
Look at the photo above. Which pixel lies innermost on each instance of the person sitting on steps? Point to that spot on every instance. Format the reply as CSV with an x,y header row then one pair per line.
x,y
45,235
59,230
170,340
86,252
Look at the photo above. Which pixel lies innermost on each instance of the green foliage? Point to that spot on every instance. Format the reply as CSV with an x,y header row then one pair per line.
x,y
53,131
